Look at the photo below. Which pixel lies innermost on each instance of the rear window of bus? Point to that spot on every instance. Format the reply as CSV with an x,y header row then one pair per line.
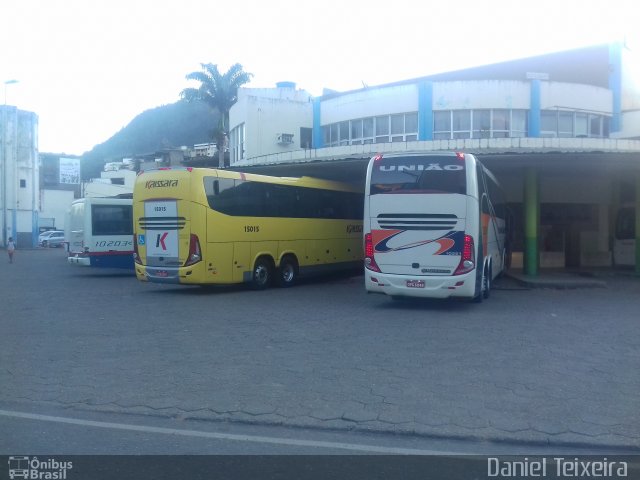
x,y
408,175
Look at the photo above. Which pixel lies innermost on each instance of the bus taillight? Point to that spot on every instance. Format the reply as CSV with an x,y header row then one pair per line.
x,y
369,261
466,261
195,254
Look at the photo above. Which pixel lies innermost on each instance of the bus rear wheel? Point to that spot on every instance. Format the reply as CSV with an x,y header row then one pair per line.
x,y
486,283
288,272
261,278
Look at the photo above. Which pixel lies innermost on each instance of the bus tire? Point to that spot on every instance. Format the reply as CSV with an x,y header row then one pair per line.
x,y
288,271
486,282
481,287
262,273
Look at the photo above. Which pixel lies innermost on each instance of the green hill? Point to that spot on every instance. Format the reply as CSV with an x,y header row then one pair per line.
x,y
167,126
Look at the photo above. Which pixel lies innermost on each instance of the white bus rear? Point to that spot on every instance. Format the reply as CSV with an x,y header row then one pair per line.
x,y
99,232
431,227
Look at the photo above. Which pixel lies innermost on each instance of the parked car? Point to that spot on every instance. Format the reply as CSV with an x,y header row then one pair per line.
x,y
53,238
44,235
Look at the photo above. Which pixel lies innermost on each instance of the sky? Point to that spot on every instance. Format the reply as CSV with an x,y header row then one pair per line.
x,y
88,67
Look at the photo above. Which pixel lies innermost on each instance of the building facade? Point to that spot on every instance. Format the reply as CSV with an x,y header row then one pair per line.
x,y
561,131
19,177
59,186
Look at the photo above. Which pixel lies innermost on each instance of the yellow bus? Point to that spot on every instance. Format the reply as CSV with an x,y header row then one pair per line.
x,y
207,226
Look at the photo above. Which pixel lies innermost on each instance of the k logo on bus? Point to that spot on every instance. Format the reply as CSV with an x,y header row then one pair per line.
x,y
160,240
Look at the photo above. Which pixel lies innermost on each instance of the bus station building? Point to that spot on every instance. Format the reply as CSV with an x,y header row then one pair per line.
x,y
560,131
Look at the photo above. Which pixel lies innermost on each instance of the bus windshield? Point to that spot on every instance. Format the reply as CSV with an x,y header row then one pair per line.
x,y
111,220
416,174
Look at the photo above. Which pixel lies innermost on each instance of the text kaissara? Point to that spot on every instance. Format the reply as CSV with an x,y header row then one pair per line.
x,y
161,183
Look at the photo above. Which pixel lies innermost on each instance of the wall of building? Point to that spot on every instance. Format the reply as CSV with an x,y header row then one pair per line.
x,y
593,106
55,204
575,96
369,103
481,95
19,178
111,183
266,113
630,127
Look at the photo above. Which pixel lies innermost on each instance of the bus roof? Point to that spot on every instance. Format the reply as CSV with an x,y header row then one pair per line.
x,y
308,182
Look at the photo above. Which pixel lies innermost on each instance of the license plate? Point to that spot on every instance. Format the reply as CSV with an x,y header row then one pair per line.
x,y
415,283
162,273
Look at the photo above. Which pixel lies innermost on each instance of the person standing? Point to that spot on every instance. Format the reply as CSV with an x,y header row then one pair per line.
x,y
11,248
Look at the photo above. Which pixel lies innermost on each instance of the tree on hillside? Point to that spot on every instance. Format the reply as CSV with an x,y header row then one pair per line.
x,y
219,91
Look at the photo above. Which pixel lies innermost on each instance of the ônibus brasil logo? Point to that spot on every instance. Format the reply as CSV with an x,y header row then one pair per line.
x,y
33,468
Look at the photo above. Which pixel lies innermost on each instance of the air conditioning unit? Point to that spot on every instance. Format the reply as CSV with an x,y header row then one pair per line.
x,y
284,138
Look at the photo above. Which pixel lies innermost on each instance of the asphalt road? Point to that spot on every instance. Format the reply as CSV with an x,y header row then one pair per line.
x,y
526,369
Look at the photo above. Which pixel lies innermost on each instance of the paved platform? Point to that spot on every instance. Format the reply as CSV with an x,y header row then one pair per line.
x,y
562,279
529,367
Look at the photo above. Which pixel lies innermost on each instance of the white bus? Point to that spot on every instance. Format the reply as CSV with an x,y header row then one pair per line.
x,y
435,225
99,232
624,241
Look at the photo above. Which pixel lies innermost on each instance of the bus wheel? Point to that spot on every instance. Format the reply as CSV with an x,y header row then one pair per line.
x,y
261,274
288,271
483,283
486,283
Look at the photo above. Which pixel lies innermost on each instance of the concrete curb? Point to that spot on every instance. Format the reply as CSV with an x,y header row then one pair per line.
x,y
556,280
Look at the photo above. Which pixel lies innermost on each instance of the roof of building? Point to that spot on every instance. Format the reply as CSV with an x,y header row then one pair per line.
x,y
587,65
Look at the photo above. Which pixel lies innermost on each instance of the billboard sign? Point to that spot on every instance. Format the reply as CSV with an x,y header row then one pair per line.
x,y
70,170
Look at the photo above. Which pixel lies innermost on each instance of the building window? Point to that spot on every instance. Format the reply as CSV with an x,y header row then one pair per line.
x,y
501,123
462,124
581,125
442,125
568,124
401,127
411,127
356,132
518,123
382,129
236,143
23,183
565,124
344,133
481,124
367,130
498,123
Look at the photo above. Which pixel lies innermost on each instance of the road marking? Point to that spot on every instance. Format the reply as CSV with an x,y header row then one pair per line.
x,y
225,436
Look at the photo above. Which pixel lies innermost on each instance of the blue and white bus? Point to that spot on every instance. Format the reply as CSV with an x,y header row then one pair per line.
x,y
435,225
99,232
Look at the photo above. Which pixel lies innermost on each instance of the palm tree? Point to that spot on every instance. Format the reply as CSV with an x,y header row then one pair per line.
x,y
219,91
